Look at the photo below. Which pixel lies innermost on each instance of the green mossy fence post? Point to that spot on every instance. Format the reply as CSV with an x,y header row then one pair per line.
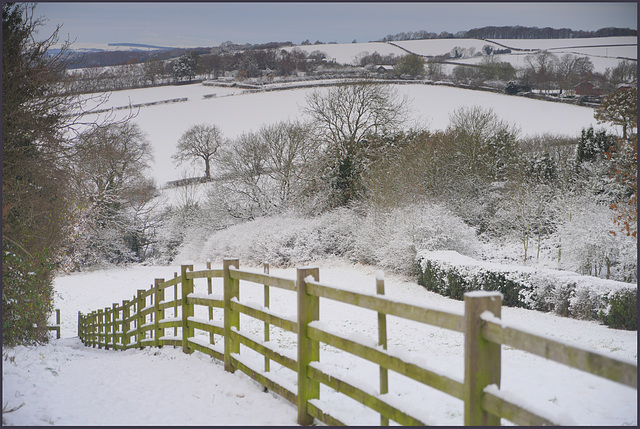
x,y
382,340
158,312
140,304
101,328
58,323
267,366
187,309
231,318
116,333
481,357
308,350
126,323
90,325
175,304
95,329
210,291
80,328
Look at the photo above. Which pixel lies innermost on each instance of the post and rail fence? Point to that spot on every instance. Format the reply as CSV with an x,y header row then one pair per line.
x,y
143,321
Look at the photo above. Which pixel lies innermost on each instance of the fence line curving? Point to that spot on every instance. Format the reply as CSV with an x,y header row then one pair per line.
x,y
163,315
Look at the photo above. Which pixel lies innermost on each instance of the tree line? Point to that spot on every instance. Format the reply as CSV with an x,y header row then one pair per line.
x,y
511,32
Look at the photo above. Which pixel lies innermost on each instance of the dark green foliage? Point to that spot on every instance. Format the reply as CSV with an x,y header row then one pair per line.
x,y
623,313
512,88
593,145
27,296
454,284
412,64
564,299
35,207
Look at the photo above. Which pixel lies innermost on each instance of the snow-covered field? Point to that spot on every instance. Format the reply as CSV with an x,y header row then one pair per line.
x,y
236,112
65,383
603,51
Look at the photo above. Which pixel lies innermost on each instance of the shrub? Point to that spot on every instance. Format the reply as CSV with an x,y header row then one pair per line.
x,y
566,294
623,311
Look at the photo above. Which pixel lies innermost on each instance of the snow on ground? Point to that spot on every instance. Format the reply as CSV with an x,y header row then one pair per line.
x,y
245,112
68,384
347,53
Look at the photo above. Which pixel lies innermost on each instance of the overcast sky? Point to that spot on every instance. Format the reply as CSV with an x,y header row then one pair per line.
x,y
208,24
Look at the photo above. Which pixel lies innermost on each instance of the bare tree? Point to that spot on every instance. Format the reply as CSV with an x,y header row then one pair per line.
x,y
200,142
348,119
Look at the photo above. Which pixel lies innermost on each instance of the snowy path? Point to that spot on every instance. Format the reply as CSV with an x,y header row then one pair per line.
x,y
66,383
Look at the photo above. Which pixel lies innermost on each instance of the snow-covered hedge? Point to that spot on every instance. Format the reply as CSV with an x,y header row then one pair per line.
x,y
563,292
386,239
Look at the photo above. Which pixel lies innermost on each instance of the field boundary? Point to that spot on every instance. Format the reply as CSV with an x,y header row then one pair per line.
x,y
144,321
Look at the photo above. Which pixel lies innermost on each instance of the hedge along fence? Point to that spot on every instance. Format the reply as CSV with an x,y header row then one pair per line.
x,y
565,293
143,321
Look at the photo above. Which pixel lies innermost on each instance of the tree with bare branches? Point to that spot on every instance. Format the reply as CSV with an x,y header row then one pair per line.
x,y
200,142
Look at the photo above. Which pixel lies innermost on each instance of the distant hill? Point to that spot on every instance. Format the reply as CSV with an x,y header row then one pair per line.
x,y
513,32
140,45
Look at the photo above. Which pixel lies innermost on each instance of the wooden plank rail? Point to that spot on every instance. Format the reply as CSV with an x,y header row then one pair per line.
x,y
416,313
387,360
585,360
144,320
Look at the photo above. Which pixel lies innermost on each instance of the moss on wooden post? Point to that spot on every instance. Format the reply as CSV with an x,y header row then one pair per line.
x,y
308,349
481,357
267,366
80,330
210,291
126,324
175,303
140,304
115,311
158,314
382,340
101,327
231,318
187,309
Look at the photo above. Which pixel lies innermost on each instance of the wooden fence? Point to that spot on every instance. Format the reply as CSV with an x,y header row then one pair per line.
x,y
143,321
56,327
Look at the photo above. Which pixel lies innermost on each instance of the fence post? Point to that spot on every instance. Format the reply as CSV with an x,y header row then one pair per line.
x,y
80,335
175,304
481,357
187,309
308,350
101,327
210,291
58,323
126,323
231,318
140,304
267,366
159,313
115,310
95,329
382,340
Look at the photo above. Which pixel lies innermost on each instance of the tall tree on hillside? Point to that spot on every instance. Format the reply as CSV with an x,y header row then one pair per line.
x,y
349,119
200,142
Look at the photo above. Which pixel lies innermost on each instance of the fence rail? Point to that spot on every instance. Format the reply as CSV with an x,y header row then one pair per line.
x,y
167,307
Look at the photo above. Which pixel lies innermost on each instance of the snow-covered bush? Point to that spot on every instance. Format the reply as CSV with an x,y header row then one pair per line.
x,y
392,238
389,240
588,246
563,292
